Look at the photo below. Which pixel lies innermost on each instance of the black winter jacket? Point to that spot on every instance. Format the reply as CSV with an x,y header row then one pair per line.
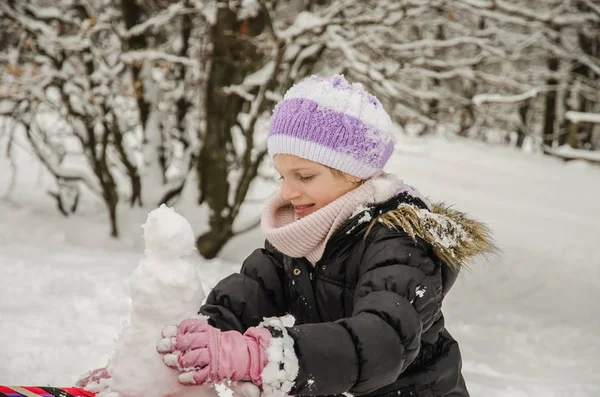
x,y
368,314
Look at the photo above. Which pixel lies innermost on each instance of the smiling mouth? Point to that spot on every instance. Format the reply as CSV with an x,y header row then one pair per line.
x,y
302,209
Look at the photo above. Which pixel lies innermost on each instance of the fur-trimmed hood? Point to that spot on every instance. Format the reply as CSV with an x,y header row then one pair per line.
x,y
454,236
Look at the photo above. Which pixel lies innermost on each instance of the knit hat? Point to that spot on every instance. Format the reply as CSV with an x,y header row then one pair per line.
x,y
335,123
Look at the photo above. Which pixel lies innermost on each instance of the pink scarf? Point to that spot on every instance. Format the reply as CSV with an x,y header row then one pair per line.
x,y
307,236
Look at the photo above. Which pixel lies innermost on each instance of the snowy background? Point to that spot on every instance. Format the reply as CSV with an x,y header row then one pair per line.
x,y
527,320
112,107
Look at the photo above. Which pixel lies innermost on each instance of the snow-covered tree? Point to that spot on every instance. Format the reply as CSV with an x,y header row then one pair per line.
x,y
550,55
159,93
73,76
259,49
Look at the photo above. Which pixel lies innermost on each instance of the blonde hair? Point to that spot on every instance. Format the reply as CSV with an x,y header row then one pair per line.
x,y
341,174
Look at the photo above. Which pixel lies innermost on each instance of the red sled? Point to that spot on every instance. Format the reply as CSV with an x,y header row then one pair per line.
x,y
43,391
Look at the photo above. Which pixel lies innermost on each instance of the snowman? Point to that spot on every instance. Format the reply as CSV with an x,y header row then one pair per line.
x,y
165,289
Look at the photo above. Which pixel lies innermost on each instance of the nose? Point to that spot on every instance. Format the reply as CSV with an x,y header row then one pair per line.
x,y
289,192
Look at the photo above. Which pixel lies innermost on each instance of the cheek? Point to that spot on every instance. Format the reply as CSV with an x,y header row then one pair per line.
x,y
326,194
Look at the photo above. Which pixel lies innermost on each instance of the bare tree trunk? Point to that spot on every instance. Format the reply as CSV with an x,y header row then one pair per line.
x,y
571,137
235,57
434,104
9,129
232,60
183,103
550,104
132,15
582,133
96,152
132,170
183,106
522,129
467,115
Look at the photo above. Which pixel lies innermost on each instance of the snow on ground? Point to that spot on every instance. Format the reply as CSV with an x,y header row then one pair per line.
x,y
526,319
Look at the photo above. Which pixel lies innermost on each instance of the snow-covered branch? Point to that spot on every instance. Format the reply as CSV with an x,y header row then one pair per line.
x,y
44,13
160,19
582,117
486,12
307,22
499,98
30,24
155,55
566,152
556,17
304,23
575,55
592,6
432,63
60,171
450,43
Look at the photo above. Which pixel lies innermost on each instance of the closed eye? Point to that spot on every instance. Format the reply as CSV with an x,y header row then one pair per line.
x,y
303,178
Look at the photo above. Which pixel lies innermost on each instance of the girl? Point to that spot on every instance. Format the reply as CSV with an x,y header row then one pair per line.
x,y
361,261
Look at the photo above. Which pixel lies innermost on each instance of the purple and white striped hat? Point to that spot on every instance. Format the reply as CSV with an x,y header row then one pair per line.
x,y
335,123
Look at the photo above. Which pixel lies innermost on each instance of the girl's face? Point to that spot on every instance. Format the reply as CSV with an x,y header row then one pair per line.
x,y
309,186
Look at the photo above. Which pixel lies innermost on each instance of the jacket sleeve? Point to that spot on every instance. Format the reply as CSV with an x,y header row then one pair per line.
x,y
242,300
395,301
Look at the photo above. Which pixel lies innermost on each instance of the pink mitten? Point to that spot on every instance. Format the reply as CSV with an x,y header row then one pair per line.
x,y
204,354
